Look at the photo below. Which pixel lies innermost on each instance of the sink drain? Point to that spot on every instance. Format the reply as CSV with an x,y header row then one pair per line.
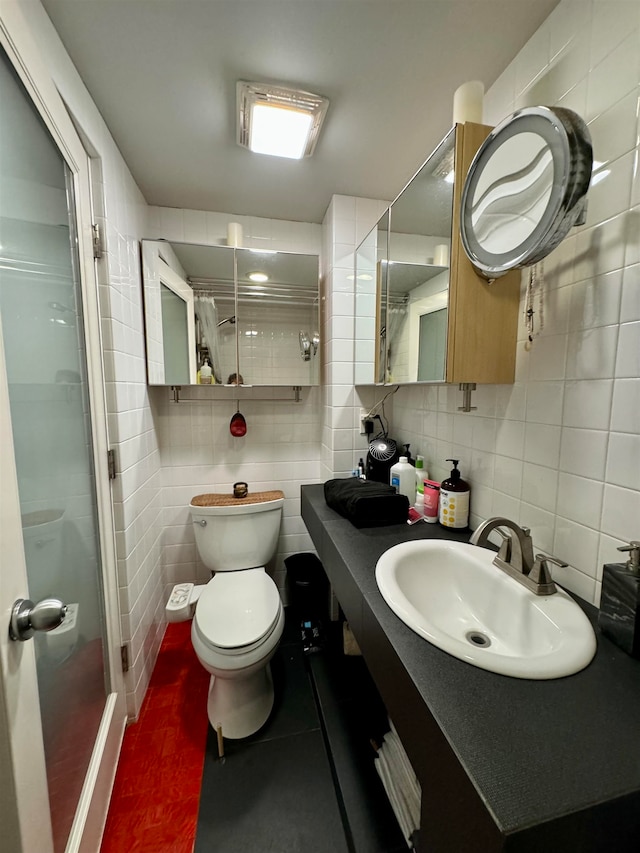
x,y
477,638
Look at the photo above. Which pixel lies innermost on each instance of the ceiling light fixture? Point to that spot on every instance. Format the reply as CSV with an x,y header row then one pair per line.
x,y
258,276
278,120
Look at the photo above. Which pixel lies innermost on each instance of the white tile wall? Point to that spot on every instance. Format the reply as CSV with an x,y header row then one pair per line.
x,y
197,452
346,224
565,458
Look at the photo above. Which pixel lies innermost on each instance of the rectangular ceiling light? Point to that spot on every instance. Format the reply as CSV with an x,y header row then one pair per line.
x,y
278,120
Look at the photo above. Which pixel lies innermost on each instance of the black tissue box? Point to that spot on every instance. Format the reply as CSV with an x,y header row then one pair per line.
x,y
366,503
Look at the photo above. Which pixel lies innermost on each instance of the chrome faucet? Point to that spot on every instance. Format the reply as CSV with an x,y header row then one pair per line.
x,y
515,555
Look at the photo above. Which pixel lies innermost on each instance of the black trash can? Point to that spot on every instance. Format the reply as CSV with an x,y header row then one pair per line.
x,y
308,593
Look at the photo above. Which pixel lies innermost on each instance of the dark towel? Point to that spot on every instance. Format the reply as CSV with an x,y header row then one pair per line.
x,y
366,503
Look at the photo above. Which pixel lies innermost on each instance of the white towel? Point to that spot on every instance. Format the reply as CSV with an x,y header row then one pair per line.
x,y
400,783
399,808
404,778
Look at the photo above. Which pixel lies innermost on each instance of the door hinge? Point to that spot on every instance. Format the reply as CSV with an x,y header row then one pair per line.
x,y
98,249
124,657
111,464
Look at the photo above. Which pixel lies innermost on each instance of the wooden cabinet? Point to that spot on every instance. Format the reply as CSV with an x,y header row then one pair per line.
x,y
423,314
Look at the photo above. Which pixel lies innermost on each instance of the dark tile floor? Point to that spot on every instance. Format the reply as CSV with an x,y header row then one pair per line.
x,y
306,781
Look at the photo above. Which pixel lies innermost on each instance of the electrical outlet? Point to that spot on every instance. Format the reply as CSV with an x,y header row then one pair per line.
x,y
363,418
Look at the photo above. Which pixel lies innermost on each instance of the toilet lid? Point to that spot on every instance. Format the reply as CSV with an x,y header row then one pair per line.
x,y
237,608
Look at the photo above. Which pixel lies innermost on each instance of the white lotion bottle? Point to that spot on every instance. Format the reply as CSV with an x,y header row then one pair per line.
x,y
402,477
206,373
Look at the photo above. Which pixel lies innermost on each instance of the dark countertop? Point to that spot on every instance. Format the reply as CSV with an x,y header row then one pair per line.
x,y
534,750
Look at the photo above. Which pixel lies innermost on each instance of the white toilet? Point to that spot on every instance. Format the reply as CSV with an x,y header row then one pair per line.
x,y
239,616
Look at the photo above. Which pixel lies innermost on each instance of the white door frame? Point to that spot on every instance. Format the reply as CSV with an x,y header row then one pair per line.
x,y
24,808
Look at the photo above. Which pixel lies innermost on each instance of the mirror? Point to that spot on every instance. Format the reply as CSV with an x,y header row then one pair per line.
x,y
410,247
370,289
254,314
526,188
169,318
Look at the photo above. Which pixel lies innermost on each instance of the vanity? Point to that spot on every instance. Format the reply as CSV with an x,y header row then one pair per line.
x,y
505,764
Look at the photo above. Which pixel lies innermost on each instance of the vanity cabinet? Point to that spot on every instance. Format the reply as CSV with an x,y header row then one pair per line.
x,y
506,765
252,314
423,313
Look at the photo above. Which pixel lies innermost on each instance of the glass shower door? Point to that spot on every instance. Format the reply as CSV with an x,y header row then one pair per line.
x,y
46,371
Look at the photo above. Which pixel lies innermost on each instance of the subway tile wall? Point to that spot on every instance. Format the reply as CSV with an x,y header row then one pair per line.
x,y
197,452
347,222
559,451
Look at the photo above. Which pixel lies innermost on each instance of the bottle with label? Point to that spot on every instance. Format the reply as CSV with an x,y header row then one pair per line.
x,y
402,477
431,501
421,475
453,510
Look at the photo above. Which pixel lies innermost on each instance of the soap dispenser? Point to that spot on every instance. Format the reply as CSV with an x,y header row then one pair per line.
x,y
206,373
454,500
619,617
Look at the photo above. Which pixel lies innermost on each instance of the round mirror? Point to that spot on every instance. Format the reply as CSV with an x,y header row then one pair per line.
x,y
525,189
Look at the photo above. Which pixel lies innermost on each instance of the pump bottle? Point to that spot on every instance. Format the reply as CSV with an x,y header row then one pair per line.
x,y
454,500
421,476
619,617
206,373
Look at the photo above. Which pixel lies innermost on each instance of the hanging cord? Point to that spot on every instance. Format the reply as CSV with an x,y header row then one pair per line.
x,y
535,291
372,414
380,405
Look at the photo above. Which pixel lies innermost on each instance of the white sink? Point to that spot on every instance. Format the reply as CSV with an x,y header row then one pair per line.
x,y
451,594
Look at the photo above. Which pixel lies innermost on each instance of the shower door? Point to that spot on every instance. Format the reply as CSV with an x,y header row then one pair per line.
x,y
62,710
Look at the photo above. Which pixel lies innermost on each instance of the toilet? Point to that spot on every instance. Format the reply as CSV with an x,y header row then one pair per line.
x,y
239,617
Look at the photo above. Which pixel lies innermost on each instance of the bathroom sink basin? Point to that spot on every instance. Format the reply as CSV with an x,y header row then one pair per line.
x,y
452,595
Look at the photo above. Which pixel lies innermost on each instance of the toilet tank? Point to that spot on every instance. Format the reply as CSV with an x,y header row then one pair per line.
x,y
236,533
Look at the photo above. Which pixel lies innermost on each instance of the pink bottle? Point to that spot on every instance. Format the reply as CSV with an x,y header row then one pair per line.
x,y
431,500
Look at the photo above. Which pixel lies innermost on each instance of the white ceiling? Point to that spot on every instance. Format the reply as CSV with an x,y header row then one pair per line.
x,y
163,74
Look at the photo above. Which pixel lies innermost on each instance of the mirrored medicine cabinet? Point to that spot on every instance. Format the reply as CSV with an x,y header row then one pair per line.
x,y
423,313
253,315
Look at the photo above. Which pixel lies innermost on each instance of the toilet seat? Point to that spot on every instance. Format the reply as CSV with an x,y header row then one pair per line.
x,y
237,611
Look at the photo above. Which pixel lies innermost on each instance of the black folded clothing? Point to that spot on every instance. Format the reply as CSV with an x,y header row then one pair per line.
x,y
366,503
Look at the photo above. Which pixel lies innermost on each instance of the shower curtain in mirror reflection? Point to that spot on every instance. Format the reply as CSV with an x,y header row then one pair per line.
x,y
207,314
392,333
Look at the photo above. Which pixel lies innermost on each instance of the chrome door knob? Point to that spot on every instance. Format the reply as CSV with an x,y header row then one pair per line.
x,y
27,617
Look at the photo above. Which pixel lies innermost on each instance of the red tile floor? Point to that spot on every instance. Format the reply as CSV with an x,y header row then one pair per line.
x,y
154,806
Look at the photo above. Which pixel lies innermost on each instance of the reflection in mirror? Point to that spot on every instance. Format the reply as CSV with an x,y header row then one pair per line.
x,y
369,284
175,336
169,317
525,189
418,272
512,193
209,270
382,296
253,330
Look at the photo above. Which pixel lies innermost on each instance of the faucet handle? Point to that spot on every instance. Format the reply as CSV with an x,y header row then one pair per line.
x,y
540,573
504,552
